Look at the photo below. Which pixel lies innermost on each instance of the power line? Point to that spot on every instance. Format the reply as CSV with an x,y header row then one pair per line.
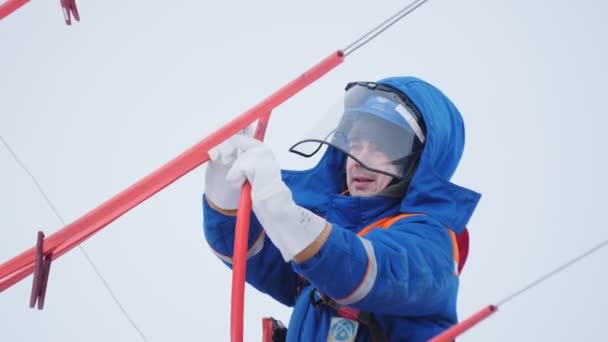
x,y
554,272
84,252
373,33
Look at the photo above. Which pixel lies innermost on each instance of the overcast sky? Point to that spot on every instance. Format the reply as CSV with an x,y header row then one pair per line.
x,y
93,107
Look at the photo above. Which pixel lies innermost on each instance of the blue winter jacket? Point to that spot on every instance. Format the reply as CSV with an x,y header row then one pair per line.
x,y
413,290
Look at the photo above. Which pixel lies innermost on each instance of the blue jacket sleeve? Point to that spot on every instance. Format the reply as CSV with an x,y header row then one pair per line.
x,y
407,269
266,269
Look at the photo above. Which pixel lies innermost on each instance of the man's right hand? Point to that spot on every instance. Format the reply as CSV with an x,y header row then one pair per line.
x,y
222,194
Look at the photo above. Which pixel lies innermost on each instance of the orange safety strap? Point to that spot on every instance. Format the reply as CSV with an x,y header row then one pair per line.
x,y
387,222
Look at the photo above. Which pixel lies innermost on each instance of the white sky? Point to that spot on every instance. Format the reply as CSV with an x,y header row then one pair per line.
x,y
94,107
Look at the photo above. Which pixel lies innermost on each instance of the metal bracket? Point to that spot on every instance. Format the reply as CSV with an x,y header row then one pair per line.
x,y
69,8
41,273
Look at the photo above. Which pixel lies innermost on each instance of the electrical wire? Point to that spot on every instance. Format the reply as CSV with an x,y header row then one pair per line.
x,y
84,252
553,272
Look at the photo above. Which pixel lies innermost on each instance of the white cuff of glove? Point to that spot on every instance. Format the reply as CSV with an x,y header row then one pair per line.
x,y
290,227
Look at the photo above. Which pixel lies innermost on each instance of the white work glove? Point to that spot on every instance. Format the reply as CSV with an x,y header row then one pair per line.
x,y
290,227
218,190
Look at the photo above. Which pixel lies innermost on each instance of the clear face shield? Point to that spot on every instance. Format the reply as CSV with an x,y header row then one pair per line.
x,y
378,127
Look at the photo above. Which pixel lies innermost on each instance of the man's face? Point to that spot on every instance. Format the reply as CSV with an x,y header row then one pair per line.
x,y
361,181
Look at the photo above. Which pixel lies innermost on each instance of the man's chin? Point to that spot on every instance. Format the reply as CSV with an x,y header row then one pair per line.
x,y
359,192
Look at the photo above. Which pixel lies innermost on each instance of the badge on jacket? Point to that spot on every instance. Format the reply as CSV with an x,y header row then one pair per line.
x,y
342,330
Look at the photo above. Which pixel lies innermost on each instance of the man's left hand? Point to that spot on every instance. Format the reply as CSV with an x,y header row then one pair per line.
x,y
290,227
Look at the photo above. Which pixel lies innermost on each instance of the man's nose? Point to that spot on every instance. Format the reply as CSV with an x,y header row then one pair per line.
x,y
363,152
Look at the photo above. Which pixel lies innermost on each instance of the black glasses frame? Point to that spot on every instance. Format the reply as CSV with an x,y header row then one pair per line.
x,y
385,88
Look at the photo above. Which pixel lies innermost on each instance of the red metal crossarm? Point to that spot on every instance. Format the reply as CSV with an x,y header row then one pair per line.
x,y
76,232
10,6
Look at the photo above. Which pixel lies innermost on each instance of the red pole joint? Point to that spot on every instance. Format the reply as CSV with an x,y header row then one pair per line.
x,y
41,273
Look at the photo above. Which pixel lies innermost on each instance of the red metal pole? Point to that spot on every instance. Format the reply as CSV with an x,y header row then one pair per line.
x,y
458,329
76,232
239,264
239,260
11,6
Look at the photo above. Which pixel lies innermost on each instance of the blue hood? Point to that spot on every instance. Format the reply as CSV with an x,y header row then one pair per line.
x,y
430,190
